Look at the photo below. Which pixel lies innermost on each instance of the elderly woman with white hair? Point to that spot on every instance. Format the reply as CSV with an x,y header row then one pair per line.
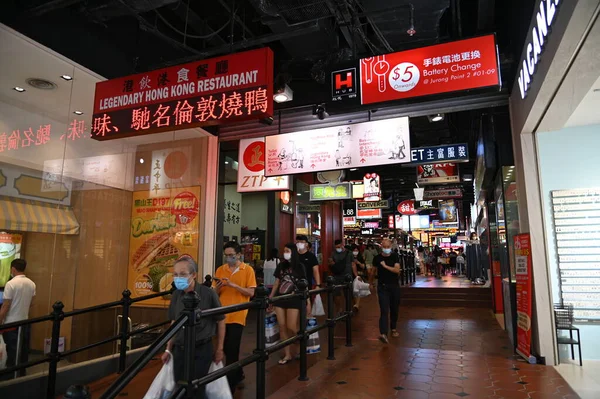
x,y
185,271
388,289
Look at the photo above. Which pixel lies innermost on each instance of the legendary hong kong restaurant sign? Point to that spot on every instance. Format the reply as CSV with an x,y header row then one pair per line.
x,y
442,68
215,91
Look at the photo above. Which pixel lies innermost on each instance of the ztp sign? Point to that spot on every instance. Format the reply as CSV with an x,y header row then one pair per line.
x,y
544,17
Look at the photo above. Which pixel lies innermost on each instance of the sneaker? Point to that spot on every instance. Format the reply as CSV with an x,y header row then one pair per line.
x,y
383,338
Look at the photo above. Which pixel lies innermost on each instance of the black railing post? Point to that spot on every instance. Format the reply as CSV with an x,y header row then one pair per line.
x,y
349,296
190,302
330,319
302,288
124,330
261,342
57,316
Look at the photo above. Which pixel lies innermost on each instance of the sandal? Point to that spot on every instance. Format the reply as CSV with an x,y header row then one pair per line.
x,y
395,333
284,361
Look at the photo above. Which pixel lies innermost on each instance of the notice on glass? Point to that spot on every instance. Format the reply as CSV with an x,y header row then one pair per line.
x,y
163,228
523,274
342,147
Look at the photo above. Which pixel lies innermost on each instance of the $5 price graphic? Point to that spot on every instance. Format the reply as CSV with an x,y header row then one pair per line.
x,y
404,77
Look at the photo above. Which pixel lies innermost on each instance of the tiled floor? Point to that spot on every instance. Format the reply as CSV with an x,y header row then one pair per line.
x,y
584,380
444,282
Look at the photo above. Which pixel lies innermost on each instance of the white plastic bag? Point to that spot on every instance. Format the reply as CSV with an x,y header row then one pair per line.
x,y
360,289
317,309
3,353
164,383
218,389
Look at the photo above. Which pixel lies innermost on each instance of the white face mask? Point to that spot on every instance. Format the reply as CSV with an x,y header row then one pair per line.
x,y
287,256
301,246
355,253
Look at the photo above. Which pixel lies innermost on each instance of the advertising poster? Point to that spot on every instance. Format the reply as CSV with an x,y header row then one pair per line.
x,y
251,169
372,187
442,68
334,148
163,228
523,272
438,173
440,153
367,213
10,249
448,211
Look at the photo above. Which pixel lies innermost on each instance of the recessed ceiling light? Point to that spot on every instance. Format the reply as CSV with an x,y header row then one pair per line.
x,y
226,162
299,194
353,169
141,160
66,77
78,112
19,89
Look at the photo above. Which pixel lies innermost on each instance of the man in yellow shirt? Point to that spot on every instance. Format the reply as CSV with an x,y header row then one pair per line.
x,y
235,283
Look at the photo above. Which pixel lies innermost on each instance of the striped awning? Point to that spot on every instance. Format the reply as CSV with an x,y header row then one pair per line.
x,y
24,215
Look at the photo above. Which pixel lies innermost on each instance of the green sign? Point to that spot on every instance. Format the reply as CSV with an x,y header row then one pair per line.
x,y
326,192
309,208
383,204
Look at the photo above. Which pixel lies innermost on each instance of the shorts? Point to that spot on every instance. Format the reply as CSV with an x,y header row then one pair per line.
x,y
369,266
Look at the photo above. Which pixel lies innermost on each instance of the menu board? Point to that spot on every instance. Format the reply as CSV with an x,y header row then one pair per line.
x,y
10,249
342,147
577,233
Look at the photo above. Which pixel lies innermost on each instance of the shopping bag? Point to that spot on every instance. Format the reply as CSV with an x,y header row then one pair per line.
x,y
164,383
218,389
3,353
271,329
360,289
313,345
317,309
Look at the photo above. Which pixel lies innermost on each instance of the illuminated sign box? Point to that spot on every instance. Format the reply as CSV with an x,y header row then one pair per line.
x,y
325,192
209,92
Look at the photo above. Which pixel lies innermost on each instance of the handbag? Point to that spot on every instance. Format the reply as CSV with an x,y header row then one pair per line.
x,y
287,284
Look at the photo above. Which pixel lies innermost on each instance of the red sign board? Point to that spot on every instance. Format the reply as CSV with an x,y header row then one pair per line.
x,y
438,173
524,295
407,207
442,68
218,90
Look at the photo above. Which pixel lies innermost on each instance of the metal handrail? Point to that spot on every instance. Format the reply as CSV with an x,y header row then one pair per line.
x,y
58,315
190,319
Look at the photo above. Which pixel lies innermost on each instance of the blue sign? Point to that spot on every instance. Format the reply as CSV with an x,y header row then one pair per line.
x,y
440,154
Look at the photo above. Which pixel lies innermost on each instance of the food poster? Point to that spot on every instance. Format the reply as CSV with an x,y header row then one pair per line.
x,y
10,249
163,228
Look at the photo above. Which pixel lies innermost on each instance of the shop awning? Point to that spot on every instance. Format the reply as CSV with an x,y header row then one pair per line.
x,y
24,215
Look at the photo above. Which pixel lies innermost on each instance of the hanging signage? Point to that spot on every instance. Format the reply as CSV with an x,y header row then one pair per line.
x,y
366,232
344,84
545,17
428,204
251,167
442,193
441,153
448,212
367,213
383,204
215,91
437,173
287,202
390,221
442,68
309,208
411,222
372,188
522,244
349,221
325,192
407,207
349,210
371,225
362,144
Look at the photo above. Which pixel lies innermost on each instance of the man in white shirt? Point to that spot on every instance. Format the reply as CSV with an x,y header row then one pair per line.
x,y
18,293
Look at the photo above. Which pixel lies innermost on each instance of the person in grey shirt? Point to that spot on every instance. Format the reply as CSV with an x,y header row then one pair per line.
x,y
340,265
184,276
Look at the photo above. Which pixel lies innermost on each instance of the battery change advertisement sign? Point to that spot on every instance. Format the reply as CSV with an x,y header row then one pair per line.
x,y
449,67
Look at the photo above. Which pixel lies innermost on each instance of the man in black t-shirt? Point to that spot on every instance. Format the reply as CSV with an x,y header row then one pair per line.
x,y
310,262
388,289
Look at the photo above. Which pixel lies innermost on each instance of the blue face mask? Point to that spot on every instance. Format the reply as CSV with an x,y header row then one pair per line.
x,y
339,250
181,283
387,250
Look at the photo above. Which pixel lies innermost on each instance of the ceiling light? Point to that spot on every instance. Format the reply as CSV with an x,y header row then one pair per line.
x,y
468,179
226,162
141,160
19,89
283,94
299,194
353,169
66,77
78,112
436,117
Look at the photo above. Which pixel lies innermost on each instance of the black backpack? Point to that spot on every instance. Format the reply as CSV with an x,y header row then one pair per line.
x,y
339,267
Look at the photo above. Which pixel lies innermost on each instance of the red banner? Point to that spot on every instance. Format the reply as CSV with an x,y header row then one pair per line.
x,y
438,173
523,274
442,68
218,90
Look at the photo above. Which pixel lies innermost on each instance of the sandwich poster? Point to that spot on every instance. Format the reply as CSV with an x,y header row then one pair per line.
x,y
163,227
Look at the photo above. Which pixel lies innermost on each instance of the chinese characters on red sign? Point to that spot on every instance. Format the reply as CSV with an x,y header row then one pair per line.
x,y
461,65
208,92
34,137
407,207
522,244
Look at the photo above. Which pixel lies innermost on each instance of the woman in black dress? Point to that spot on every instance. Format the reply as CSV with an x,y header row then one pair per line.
x,y
288,272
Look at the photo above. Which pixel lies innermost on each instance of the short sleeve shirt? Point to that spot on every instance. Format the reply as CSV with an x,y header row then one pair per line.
x,y
207,326
245,278
384,275
284,268
20,290
309,260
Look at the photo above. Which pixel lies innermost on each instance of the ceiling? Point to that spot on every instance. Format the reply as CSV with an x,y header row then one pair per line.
x,y
586,112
